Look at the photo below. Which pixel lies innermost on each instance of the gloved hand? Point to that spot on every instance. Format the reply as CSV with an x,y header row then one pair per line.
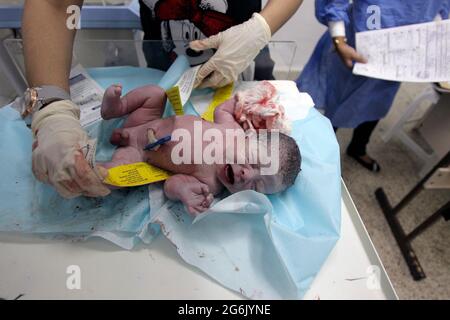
x,y
60,150
236,48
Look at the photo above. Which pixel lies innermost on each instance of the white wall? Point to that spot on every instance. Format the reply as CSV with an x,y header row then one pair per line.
x,y
304,29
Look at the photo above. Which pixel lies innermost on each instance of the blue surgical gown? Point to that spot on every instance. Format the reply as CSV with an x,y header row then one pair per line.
x,y
349,100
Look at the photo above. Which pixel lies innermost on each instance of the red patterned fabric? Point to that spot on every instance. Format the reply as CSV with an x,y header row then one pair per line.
x,y
210,22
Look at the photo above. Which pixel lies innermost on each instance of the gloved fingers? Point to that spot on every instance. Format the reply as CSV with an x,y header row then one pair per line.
x,y
72,186
91,194
40,172
205,71
86,178
63,190
220,83
215,80
34,145
212,42
64,183
102,173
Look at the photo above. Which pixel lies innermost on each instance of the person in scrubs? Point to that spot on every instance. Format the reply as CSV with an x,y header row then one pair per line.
x,y
233,31
352,101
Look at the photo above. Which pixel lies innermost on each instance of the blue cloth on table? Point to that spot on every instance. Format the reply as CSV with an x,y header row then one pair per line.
x,y
349,100
268,247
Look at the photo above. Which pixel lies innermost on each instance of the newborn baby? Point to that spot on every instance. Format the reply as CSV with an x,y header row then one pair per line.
x,y
195,183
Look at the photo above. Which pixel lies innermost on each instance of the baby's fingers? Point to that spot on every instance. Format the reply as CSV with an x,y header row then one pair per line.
x,y
205,190
200,209
208,200
195,210
191,210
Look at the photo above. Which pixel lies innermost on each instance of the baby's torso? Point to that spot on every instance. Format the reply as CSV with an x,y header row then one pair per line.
x,y
190,151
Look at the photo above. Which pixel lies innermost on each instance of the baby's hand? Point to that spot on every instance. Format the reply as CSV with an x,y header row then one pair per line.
x,y
196,197
194,194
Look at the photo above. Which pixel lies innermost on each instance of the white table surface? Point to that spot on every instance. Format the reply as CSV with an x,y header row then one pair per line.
x,y
37,269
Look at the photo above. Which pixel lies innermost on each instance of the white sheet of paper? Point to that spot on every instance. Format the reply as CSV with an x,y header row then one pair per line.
x,y
413,53
87,94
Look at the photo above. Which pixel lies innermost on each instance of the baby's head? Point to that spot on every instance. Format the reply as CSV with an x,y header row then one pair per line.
x,y
274,172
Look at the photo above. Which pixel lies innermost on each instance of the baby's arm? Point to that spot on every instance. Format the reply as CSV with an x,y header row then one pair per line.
x,y
194,194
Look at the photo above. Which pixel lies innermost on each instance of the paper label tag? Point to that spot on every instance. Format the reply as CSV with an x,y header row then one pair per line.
x,y
179,94
87,94
220,96
136,174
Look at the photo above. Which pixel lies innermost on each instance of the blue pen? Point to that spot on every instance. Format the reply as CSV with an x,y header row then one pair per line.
x,y
160,142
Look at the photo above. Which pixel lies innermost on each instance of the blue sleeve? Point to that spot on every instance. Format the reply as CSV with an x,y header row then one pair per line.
x,y
445,9
332,10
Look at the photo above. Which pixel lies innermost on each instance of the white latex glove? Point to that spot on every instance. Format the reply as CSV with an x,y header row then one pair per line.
x,y
236,48
63,154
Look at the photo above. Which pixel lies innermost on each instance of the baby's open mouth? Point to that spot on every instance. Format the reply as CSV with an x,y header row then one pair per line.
x,y
229,174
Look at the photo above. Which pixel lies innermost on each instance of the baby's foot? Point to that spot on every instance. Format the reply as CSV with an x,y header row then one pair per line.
x,y
112,102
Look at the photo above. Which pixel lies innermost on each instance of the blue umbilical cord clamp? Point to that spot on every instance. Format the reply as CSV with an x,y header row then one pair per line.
x,y
160,142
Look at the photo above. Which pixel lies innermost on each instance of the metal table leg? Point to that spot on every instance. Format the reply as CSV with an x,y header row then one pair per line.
x,y
404,240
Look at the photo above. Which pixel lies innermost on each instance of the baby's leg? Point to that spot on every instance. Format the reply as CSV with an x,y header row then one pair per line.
x,y
112,104
142,104
123,156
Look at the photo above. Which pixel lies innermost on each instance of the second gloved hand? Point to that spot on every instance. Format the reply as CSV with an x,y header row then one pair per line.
x,y
60,149
236,48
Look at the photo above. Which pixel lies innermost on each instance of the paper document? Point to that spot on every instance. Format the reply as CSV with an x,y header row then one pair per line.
x,y
414,53
180,93
87,94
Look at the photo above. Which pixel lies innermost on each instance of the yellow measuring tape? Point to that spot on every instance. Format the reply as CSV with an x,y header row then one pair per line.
x,y
135,174
220,96
173,94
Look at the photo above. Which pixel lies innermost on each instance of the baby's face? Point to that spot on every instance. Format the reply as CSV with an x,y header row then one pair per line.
x,y
238,177
244,175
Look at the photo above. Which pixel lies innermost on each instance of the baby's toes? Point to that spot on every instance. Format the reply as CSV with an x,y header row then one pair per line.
x,y
118,90
111,92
